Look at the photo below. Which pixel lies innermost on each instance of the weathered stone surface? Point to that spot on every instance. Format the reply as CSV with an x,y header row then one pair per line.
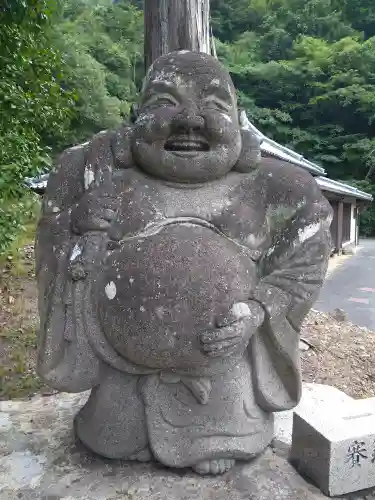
x,y
175,267
39,460
336,449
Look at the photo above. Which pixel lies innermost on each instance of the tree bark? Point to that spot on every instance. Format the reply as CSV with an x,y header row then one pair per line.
x,y
176,25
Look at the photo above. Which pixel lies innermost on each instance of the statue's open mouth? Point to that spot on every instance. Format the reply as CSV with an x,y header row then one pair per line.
x,y
186,143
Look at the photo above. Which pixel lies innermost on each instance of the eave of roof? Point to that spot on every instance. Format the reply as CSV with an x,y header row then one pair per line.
x,y
341,188
275,149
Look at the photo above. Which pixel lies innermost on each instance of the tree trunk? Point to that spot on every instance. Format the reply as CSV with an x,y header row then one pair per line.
x,y
176,25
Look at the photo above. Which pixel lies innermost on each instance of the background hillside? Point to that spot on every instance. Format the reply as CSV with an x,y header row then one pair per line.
x,y
304,70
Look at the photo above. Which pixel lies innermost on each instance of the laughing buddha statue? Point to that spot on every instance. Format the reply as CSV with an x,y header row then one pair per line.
x,y
175,267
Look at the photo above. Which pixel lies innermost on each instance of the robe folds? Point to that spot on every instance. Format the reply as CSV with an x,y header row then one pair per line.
x,y
183,417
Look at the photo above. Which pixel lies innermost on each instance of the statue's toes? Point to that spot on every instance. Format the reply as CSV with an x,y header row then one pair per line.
x,y
144,455
214,467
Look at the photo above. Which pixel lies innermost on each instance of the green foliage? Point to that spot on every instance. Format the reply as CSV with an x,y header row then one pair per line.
x,y
33,106
279,22
31,98
361,14
67,71
307,78
16,216
103,46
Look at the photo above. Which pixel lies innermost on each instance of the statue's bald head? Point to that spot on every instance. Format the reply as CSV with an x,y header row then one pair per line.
x,y
202,69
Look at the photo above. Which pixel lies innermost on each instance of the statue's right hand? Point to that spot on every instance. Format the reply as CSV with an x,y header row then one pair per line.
x,y
94,212
235,328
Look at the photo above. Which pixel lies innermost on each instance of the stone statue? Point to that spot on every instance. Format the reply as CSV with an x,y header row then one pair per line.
x,y
175,267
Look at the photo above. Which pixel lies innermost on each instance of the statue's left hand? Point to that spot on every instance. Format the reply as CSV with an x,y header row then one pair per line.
x,y
234,330
94,212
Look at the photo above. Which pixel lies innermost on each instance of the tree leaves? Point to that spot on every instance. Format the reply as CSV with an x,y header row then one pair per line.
x,y
306,77
103,46
32,104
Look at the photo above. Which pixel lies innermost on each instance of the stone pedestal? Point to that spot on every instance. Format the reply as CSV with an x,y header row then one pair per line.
x,y
40,460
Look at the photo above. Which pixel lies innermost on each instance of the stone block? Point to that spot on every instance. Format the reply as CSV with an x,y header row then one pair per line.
x,y
316,398
337,449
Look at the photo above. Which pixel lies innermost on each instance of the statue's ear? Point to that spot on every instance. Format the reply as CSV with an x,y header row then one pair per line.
x,y
241,114
250,156
121,147
134,113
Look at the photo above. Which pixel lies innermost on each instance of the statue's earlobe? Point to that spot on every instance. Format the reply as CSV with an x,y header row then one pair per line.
x,y
250,156
134,113
121,147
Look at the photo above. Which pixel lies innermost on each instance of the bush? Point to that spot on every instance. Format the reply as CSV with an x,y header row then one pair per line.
x,y
21,156
33,106
14,216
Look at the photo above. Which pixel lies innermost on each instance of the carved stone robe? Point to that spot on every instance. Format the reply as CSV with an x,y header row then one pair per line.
x,y
279,220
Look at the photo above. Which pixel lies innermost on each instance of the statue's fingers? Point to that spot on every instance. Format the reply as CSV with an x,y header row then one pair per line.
x,y
226,319
223,353
219,334
220,346
97,223
108,214
108,201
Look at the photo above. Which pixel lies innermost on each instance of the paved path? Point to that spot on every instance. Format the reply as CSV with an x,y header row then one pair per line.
x,y
351,287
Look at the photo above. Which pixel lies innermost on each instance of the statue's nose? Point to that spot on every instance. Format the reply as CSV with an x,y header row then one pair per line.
x,y
188,119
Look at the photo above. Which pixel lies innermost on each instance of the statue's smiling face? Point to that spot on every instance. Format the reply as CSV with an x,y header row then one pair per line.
x,y
188,129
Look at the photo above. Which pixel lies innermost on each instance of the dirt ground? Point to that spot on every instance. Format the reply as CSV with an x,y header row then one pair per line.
x,y
18,325
339,354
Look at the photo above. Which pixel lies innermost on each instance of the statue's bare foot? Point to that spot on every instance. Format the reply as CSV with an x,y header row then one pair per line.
x,y
214,467
144,455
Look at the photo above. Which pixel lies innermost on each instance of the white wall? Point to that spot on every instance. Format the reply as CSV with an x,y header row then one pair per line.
x,y
353,226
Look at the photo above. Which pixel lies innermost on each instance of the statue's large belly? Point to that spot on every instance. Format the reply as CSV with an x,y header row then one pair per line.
x,y
158,293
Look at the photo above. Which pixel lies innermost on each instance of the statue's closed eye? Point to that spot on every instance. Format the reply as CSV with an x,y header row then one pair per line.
x,y
159,100
213,102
